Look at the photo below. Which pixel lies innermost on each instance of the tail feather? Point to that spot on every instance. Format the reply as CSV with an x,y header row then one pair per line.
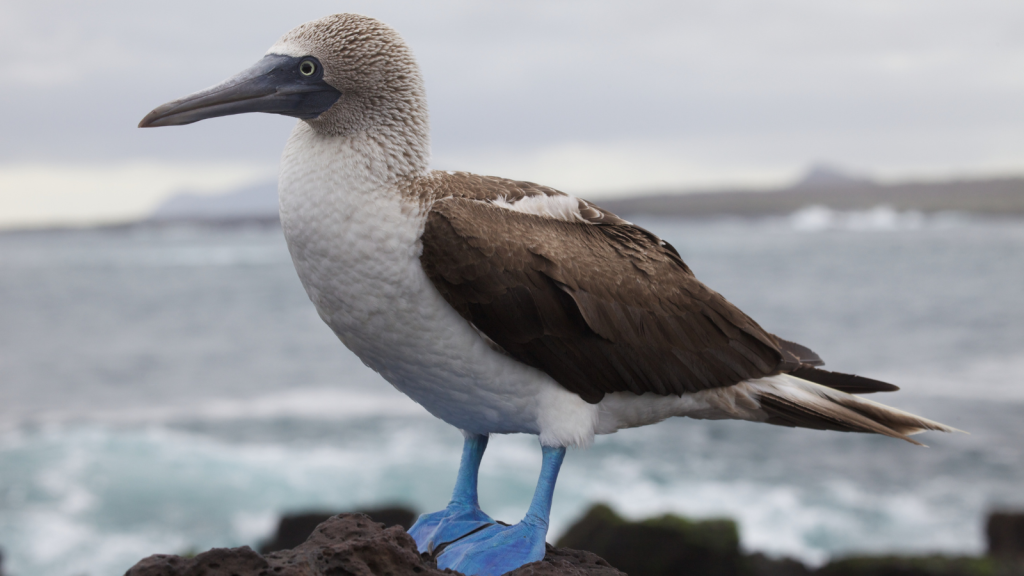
x,y
850,383
791,401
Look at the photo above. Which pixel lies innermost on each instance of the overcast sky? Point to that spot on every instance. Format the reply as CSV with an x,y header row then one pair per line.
x,y
595,97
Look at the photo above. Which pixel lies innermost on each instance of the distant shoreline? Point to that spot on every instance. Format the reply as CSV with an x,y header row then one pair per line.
x,y
992,197
989,197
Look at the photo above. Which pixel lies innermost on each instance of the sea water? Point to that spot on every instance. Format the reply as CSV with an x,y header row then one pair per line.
x,y
170,389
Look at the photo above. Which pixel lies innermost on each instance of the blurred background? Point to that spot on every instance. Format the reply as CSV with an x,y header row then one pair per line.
x,y
849,174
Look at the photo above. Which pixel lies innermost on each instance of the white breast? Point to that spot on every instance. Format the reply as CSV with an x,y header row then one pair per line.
x,y
356,244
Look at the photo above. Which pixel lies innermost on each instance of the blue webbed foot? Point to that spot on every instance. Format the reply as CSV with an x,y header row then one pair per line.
x,y
496,549
432,530
463,514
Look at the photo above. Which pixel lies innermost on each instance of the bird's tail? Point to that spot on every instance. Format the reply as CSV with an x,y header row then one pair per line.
x,y
795,402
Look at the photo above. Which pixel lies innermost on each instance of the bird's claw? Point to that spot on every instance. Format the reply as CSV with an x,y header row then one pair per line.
x,y
454,522
496,549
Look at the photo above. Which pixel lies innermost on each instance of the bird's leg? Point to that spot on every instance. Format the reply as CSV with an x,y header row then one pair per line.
x,y
498,549
463,514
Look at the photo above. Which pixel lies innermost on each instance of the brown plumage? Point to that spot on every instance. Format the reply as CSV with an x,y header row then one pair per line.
x,y
597,303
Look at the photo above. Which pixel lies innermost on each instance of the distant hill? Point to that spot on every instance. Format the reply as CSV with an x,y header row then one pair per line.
x,y
821,186
994,197
258,202
827,176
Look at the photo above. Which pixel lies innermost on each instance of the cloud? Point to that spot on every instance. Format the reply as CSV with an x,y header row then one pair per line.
x,y
61,194
593,94
602,170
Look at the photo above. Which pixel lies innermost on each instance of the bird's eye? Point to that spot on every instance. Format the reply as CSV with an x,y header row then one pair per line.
x,y
307,68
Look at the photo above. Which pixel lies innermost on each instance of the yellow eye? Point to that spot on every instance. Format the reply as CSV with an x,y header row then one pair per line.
x,y
307,68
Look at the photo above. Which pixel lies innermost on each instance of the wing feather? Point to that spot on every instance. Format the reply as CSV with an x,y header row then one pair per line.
x,y
600,308
597,303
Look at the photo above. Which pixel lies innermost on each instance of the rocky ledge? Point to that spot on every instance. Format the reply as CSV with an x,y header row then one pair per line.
x,y
351,545
356,545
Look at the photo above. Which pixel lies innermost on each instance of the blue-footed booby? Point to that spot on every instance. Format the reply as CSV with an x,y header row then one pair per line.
x,y
501,306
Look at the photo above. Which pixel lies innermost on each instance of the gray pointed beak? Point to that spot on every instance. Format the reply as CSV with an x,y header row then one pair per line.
x,y
292,86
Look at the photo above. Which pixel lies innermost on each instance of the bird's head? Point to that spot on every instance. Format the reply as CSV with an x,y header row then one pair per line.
x,y
341,74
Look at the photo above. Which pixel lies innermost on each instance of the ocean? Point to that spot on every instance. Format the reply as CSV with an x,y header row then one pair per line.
x,y
171,389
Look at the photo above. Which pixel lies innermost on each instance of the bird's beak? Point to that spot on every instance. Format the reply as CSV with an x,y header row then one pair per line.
x,y
276,84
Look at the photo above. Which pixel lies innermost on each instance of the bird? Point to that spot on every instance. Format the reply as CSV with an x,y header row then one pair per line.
x,y
501,306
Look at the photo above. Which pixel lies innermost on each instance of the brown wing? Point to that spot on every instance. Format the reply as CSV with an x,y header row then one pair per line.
x,y
600,308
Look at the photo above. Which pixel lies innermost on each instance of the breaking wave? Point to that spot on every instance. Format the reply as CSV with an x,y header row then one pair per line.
x,y
878,219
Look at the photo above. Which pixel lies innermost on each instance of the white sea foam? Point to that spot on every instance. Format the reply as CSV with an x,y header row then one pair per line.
x,y
879,218
321,403
150,249
304,403
253,526
812,525
97,499
140,417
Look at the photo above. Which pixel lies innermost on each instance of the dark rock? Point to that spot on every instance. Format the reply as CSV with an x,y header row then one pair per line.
x,y
217,561
350,545
667,545
294,529
914,566
355,545
345,544
1005,531
760,565
566,562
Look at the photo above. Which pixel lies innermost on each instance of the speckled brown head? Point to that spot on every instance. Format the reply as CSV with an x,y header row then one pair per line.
x,y
341,74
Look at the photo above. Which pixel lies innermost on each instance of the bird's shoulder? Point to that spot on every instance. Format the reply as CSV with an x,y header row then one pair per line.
x,y
437,186
524,225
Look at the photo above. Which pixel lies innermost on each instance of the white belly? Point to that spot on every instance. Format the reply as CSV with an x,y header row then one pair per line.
x,y
355,245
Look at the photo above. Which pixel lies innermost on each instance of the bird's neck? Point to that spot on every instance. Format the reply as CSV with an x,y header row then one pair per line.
x,y
352,230
381,154
339,177
391,134
336,191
